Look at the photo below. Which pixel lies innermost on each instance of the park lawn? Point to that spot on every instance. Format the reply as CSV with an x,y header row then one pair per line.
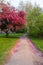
x,y
6,44
38,42
12,35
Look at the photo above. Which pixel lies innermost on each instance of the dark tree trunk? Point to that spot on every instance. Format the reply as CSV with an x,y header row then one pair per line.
x,y
7,33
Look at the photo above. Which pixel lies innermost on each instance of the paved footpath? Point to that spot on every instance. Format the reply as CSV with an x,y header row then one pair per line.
x,y
24,53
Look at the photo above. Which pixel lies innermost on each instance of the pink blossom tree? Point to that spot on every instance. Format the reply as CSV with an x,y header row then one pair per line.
x,y
11,20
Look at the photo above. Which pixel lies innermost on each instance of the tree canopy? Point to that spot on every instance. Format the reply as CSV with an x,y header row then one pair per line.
x,y
10,19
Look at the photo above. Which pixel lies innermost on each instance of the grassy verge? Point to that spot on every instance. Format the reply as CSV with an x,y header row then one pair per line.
x,y
38,42
14,35
6,44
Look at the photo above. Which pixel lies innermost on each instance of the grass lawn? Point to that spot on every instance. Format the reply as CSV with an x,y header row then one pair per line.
x,y
6,44
38,42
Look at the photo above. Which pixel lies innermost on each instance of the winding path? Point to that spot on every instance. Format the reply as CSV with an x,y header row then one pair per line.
x,y
24,53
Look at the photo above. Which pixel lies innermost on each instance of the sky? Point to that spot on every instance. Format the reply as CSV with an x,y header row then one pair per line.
x,y
16,2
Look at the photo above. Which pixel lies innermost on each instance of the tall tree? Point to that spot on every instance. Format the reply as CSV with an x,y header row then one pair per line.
x,y
10,19
35,21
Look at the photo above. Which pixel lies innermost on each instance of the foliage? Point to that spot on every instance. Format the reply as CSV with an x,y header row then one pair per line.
x,y
35,22
10,19
24,30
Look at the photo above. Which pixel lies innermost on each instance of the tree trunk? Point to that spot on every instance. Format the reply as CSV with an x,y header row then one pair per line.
x,y
7,34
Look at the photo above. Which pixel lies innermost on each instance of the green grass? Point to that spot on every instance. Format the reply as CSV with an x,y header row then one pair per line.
x,y
6,44
14,35
38,42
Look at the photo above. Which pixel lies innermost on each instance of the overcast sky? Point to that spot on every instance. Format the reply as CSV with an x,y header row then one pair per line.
x,y
16,2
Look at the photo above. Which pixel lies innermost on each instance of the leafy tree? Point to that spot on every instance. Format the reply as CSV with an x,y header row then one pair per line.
x,y
10,19
35,22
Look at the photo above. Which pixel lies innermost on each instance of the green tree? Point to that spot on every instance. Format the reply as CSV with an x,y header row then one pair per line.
x,y
35,21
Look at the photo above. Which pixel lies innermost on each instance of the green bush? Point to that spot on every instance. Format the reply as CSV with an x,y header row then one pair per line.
x,y
21,31
34,31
